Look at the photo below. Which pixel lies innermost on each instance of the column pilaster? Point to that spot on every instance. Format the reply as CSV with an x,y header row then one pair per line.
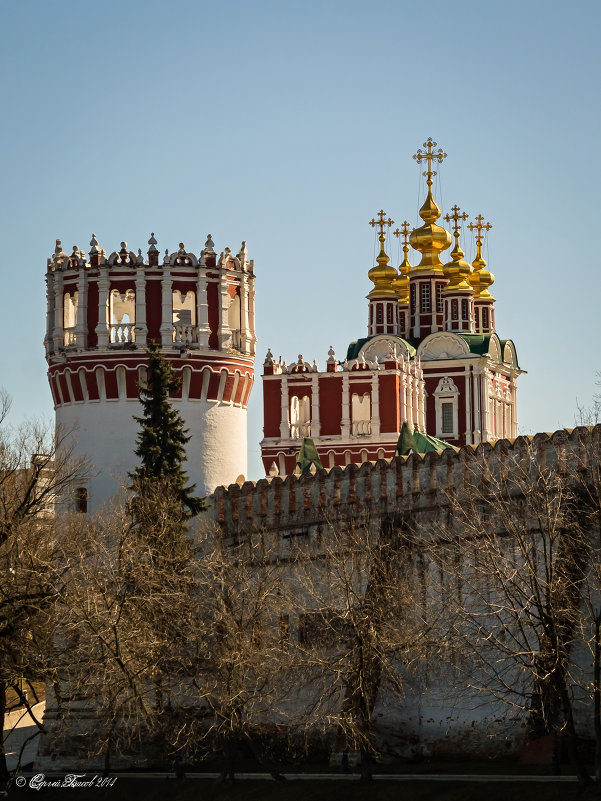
x,y
166,311
58,334
315,421
102,329
140,328
81,328
285,413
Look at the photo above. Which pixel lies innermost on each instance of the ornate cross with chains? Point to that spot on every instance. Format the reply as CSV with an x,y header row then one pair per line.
x,y
429,155
456,217
404,232
381,223
479,227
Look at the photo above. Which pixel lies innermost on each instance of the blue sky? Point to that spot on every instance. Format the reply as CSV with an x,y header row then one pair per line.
x,y
290,124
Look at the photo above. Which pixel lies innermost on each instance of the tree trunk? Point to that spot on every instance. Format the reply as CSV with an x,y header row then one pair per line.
x,y
4,774
597,696
366,767
227,766
572,737
266,763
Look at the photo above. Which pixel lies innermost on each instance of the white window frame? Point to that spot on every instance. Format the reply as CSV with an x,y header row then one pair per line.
x,y
446,392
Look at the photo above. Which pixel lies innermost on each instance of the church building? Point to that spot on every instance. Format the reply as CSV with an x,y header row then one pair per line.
x,y
431,357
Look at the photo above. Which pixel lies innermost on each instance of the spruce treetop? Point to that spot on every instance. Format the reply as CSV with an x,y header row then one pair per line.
x,y
162,437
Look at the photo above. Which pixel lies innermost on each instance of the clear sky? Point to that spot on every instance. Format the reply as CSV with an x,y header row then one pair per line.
x,y
290,124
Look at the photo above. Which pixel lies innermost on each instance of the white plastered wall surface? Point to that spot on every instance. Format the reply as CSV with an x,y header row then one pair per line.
x,y
105,434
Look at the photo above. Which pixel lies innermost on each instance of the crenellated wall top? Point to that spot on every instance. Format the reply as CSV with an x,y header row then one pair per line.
x,y
387,486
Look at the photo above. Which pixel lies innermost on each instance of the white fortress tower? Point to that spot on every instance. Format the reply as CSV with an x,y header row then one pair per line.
x,y
101,314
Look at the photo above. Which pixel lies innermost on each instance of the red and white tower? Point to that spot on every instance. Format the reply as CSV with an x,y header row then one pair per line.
x,y
102,312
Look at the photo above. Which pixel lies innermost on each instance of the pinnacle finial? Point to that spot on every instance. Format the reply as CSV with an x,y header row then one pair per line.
x,y
404,232
429,155
456,218
479,227
402,282
152,242
381,223
481,278
382,274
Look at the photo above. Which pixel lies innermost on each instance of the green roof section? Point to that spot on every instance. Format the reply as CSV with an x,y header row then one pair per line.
x,y
354,348
307,456
417,442
511,342
477,343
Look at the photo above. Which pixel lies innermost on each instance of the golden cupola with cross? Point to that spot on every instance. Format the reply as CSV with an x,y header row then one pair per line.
x,y
427,279
481,279
383,298
401,283
458,293
429,239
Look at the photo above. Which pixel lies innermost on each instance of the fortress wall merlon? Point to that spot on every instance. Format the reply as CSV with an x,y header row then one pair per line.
x,y
414,483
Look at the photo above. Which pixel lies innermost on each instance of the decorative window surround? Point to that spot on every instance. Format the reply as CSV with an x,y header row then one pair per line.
x,y
446,393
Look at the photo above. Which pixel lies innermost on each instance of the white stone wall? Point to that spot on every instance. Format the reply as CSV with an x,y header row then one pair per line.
x,y
104,432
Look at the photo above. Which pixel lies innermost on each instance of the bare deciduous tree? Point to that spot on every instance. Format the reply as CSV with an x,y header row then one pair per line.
x,y
518,545
37,475
366,618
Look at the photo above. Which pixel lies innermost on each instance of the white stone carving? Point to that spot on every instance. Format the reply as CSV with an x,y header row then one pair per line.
x,y
443,345
384,347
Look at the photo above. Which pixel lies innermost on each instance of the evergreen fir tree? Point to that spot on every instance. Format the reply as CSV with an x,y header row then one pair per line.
x,y
162,438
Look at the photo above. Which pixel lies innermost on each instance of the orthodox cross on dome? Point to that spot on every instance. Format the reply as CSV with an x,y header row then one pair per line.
x,y
479,227
404,232
429,155
456,217
381,223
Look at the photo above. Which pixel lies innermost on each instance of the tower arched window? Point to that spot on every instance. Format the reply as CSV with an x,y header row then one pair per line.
x,y
70,302
454,309
361,414
464,309
234,320
300,417
123,316
183,318
426,298
379,314
389,313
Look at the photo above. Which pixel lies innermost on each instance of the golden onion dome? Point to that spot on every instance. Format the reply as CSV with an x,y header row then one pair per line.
x,y
457,270
383,273
401,284
481,278
430,239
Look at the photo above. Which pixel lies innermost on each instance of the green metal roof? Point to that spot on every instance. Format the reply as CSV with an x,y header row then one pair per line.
x,y
307,456
419,443
477,343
